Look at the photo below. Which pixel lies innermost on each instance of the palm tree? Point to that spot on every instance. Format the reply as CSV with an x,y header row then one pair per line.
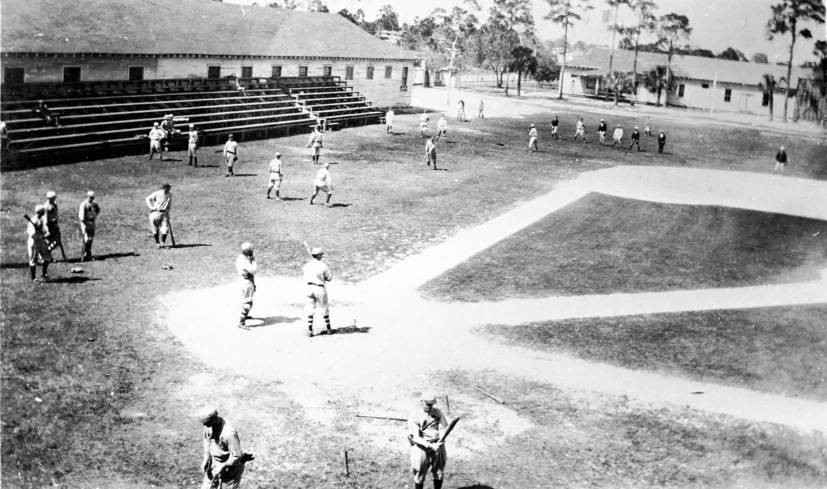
x,y
656,80
524,62
768,85
671,28
565,12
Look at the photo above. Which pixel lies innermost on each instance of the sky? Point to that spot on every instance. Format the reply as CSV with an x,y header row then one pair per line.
x,y
717,24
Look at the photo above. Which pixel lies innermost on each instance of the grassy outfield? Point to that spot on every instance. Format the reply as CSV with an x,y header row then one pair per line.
x,y
781,350
604,244
584,440
95,389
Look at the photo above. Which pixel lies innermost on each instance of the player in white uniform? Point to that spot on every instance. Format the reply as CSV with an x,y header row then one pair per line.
x,y
430,152
156,134
441,128
315,145
192,146
276,172
617,136
423,124
38,232
580,130
230,154
389,121
532,139
316,274
87,214
426,426
246,267
323,183
159,203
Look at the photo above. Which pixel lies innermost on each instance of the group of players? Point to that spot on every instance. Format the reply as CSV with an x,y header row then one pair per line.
x,y
602,129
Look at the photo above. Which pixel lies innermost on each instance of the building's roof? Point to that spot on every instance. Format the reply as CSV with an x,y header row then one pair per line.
x,y
192,27
687,67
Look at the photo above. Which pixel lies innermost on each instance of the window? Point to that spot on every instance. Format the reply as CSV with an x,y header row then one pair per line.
x,y
328,71
370,72
388,72
213,72
136,73
246,72
727,95
13,76
681,88
590,83
302,70
404,76
765,100
276,72
71,74
348,73
704,85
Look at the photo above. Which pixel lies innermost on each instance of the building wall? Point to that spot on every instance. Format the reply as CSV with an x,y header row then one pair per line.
x,y
50,69
380,90
746,99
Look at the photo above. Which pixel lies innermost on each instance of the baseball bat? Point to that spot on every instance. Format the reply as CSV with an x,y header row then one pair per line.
x,y
171,236
450,428
307,248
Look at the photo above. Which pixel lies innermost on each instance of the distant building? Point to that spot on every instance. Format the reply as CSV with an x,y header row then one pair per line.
x,y
96,40
701,83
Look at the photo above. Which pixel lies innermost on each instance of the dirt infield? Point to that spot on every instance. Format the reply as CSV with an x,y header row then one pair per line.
x,y
403,326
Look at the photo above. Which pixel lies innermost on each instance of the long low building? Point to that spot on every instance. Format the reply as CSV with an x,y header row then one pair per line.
x,y
95,40
702,83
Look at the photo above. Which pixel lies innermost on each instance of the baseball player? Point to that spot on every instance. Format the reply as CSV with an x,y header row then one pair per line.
x,y
168,126
192,146
230,154
635,139
316,275
52,221
532,139
223,459
661,141
441,128
323,183
37,231
159,204
315,144
461,110
601,131
246,267
156,134
617,136
780,160
87,214
430,152
426,425
423,124
580,130
276,173
481,110
647,128
555,126
389,121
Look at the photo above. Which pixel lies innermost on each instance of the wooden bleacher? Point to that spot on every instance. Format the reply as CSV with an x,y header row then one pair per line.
x,y
107,119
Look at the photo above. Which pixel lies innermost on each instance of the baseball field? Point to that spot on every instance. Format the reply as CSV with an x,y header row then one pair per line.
x,y
599,318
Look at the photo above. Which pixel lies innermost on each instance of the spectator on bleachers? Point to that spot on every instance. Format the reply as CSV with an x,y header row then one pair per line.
x,y
240,88
44,112
4,136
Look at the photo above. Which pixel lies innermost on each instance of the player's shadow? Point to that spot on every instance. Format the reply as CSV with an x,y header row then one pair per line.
x,y
254,323
108,256
71,280
208,166
440,169
172,159
397,133
245,175
340,204
291,199
346,330
191,245
477,486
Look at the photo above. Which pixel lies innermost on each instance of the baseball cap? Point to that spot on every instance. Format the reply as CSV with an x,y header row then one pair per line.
x,y
206,414
246,247
532,125
90,194
278,154
40,209
50,195
428,396
316,251
155,124
166,186
229,136
192,125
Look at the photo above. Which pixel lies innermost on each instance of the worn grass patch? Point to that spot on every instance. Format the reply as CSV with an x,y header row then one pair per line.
x,y
782,350
604,244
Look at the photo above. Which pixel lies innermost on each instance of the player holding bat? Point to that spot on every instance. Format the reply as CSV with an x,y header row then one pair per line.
x,y
37,244
316,274
427,429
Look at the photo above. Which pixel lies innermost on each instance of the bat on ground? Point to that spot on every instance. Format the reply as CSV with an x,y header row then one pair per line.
x,y
171,236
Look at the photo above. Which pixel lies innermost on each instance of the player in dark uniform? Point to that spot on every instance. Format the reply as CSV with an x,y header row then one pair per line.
x,y
780,159
555,126
635,139
661,141
601,131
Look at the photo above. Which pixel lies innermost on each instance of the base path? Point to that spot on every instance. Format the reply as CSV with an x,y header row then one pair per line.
x,y
383,367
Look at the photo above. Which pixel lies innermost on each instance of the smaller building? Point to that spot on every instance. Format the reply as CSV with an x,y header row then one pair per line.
x,y
701,83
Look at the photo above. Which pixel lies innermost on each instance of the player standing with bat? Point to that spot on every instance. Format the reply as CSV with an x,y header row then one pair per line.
x,y
316,275
37,245
427,429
